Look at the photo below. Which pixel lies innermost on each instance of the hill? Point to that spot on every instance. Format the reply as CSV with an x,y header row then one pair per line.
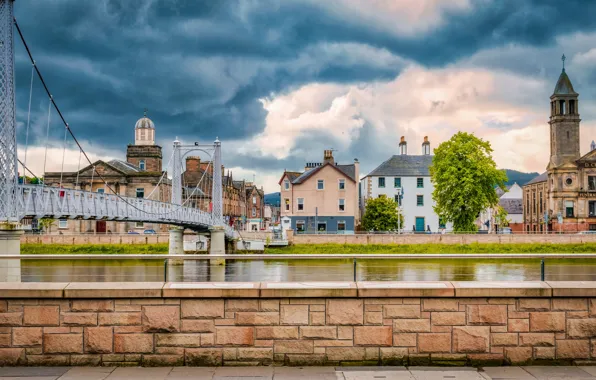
x,y
273,199
520,177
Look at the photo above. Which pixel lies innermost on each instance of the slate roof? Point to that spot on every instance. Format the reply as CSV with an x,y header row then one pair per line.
x,y
564,86
348,170
404,165
124,166
512,206
541,178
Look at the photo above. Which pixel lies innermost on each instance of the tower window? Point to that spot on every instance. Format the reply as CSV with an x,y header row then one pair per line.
x,y
561,107
572,107
567,134
142,164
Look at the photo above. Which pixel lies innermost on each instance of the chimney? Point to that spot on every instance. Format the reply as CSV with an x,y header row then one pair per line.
x,y
403,146
426,146
206,167
328,157
193,163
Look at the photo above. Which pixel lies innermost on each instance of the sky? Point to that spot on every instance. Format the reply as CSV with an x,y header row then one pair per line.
x,y
279,81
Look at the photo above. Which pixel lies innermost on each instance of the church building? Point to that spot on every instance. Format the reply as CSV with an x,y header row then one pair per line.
x,y
136,177
563,199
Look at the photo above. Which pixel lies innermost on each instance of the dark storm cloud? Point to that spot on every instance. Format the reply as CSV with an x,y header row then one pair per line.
x,y
201,66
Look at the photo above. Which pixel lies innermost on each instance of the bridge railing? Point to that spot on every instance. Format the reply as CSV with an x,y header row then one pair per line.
x,y
42,201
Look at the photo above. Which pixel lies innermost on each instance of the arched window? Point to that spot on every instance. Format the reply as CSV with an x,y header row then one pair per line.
x,y
142,164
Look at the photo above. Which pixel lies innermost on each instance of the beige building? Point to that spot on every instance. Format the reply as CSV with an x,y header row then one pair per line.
x,y
564,197
136,177
323,198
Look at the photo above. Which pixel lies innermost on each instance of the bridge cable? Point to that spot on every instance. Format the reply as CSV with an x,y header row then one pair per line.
x,y
29,115
63,154
45,157
78,169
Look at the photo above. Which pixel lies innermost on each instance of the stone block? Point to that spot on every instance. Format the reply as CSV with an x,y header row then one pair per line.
x,y
434,342
56,330
85,360
12,357
268,305
92,305
98,340
197,325
79,319
293,347
178,340
163,360
260,354
404,340
345,332
448,318
503,339
133,343
411,325
119,319
234,336
487,314
518,355
471,339
373,318
346,353
318,332
333,343
401,311
537,339
373,336
317,318
393,355
202,308
203,357
11,319
41,316
63,343
518,325
573,349
294,314
570,304
207,340
438,304
534,304
265,318
48,360
345,312
160,318
592,307
26,336
547,321
581,328
277,332
547,353
316,307
242,305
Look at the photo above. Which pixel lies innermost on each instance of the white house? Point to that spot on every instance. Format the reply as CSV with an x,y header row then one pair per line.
x,y
406,178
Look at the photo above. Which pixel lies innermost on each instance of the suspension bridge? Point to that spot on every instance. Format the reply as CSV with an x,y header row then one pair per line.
x,y
21,200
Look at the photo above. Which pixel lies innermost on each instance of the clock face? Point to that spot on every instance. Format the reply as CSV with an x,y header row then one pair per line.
x,y
569,181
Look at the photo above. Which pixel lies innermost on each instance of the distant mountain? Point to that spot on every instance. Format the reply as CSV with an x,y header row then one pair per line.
x,y
273,199
520,177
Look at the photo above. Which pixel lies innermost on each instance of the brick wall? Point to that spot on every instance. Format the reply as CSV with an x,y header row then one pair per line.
x,y
295,331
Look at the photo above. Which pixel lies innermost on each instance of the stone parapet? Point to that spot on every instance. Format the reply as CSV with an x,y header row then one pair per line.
x,y
344,323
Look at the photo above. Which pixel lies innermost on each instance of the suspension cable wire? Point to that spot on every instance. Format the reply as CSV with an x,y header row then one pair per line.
x,y
29,115
45,156
92,176
162,176
53,102
78,168
63,155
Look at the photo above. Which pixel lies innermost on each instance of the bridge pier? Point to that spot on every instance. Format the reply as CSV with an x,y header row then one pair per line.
x,y
217,243
10,244
176,246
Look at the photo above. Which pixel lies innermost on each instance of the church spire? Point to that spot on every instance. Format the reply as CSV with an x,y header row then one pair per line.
x,y
563,59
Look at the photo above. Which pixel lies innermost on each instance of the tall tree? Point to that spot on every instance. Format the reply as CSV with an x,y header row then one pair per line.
x,y
465,176
381,214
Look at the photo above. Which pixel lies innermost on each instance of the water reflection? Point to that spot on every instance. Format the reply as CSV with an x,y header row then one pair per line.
x,y
304,270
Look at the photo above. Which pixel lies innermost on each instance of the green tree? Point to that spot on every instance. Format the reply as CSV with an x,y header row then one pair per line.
x,y
501,217
45,224
381,214
465,177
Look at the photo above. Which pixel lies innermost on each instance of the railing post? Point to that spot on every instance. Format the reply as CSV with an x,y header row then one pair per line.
x,y
355,272
542,275
165,270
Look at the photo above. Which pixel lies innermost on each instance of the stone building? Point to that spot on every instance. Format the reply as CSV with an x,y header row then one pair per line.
x,y
140,176
563,199
255,207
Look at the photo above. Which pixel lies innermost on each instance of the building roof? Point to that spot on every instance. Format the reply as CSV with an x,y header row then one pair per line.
x,y
564,86
404,165
123,166
512,205
513,192
348,170
541,178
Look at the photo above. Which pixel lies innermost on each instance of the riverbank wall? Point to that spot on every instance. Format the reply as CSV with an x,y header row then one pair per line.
x,y
339,323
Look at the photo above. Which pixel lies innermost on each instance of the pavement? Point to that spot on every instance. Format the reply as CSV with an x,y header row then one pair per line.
x,y
297,373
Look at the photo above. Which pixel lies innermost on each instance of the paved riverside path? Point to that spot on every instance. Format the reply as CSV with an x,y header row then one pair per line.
x,y
297,373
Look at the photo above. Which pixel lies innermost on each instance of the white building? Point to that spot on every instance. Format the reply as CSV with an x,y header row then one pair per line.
x,y
406,178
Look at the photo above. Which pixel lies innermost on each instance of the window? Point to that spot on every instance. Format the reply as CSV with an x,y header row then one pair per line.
x,y
397,183
286,185
342,205
341,225
287,203
320,184
592,227
142,164
572,107
592,208
419,200
381,181
254,211
139,225
62,223
398,200
569,209
140,193
419,183
568,181
101,190
322,226
534,202
541,203
342,184
300,225
592,183
300,204
254,200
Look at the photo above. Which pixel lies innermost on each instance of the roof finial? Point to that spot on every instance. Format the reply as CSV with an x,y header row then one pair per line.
x,y
563,59
145,111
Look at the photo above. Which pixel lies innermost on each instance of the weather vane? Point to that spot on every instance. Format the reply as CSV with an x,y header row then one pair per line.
x,y
145,112
563,59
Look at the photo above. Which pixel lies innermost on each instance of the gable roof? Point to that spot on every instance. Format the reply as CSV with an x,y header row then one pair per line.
x,y
404,165
541,178
347,170
124,167
512,205
291,176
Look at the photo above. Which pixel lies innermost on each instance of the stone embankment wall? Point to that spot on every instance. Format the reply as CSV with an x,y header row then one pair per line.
x,y
156,324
